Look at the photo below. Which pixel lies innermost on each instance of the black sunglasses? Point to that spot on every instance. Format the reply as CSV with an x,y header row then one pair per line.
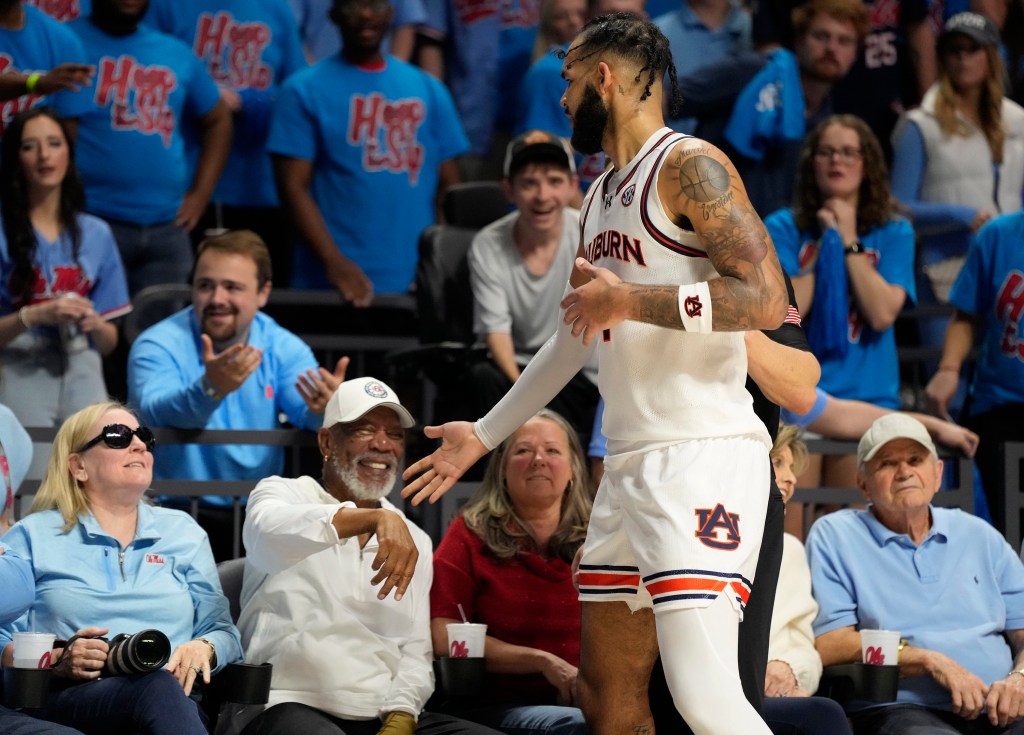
x,y
119,436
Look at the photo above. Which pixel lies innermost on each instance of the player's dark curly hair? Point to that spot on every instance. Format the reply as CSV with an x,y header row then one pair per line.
x,y
634,39
18,229
874,203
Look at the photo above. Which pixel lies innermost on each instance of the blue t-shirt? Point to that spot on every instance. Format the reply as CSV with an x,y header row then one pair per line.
x,y
870,370
694,45
991,286
519,19
18,586
130,147
955,593
470,32
377,139
41,45
63,10
249,46
540,97
322,37
97,275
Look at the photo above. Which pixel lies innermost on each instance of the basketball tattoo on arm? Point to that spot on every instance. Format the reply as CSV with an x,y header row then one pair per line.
x,y
751,294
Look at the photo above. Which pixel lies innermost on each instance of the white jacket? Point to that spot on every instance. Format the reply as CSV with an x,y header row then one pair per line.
x,y
309,609
792,639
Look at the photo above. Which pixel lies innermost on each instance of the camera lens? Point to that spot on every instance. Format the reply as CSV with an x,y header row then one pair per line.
x,y
138,653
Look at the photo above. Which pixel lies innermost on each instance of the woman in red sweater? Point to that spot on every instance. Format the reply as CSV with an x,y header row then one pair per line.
x,y
507,560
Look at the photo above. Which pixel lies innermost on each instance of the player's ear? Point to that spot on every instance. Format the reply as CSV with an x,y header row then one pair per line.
x,y
605,78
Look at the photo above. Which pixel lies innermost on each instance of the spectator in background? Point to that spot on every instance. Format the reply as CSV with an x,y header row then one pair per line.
x,y
460,47
757,106
249,47
62,280
506,561
989,299
362,133
947,581
131,148
348,659
852,264
518,268
63,10
701,32
959,158
321,39
45,58
222,364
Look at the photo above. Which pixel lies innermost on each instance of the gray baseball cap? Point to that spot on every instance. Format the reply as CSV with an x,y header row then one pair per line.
x,y
894,425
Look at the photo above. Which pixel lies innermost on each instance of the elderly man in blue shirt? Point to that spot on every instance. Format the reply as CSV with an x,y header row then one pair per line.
x,y
946,580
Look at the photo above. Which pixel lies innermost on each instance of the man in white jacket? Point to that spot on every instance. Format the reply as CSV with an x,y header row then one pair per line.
x,y
323,561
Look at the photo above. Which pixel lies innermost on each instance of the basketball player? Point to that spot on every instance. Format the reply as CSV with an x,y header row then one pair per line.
x,y
674,264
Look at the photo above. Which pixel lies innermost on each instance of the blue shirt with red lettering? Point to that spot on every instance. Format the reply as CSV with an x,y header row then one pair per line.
x,y
377,138
39,46
991,286
249,46
96,275
130,148
63,10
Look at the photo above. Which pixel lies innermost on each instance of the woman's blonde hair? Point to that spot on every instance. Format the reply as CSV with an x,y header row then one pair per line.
x,y
990,106
491,515
789,436
59,489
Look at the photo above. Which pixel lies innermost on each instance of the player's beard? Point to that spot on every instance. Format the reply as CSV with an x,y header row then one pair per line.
x,y
359,488
589,122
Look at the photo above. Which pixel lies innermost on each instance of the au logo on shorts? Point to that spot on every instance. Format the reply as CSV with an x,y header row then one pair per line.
x,y
717,528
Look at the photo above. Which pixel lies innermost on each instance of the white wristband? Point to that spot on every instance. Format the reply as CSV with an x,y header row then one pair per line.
x,y
695,307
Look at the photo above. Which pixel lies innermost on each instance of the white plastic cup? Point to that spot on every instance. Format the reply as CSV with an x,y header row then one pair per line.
x,y
880,647
466,640
33,650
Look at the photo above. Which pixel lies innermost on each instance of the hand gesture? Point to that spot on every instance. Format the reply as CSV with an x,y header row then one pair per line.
x,y
460,448
350,281
86,656
66,76
967,691
843,216
1005,701
68,308
562,676
396,555
316,388
188,662
593,307
940,391
229,369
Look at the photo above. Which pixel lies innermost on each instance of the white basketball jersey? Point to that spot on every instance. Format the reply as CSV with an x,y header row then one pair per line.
x,y
660,385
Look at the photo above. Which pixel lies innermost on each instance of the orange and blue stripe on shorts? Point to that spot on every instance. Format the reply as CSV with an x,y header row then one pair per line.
x,y
608,579
696,584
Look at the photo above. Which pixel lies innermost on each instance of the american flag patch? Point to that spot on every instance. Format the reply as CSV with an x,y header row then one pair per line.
x,y
154,559
792,316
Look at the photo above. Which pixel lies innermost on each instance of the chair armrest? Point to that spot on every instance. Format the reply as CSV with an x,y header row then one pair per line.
x,y
241,684
848,682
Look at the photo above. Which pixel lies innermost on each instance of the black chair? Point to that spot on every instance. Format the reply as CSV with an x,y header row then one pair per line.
x,y
444,303
153,304
474,204
859,682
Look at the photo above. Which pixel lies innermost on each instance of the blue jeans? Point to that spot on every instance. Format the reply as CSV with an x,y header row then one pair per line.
x,y
805,716
910,719
145,704
537,719
18,723
152,254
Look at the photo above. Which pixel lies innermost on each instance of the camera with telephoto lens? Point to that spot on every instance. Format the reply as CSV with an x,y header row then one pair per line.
x,y
137,653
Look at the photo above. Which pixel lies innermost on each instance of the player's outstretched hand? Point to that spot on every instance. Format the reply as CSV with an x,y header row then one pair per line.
x,y
438,471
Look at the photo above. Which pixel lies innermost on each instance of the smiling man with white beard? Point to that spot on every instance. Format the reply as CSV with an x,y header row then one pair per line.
x,y
336,592
223,364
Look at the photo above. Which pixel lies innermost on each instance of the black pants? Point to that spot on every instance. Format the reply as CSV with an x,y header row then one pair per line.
x,y
909,719
291,718
754,630
995,427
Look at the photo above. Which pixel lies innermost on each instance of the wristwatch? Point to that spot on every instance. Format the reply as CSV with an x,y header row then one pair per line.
x,y
1017,671
853,248
899,650
209,389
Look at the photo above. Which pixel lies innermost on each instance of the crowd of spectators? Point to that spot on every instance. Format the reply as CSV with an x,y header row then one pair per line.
x,y
245,145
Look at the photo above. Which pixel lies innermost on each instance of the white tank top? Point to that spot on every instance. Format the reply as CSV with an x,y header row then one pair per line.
x,y
660,386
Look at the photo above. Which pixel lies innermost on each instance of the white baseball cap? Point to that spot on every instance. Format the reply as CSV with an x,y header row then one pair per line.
x,y
893,425
355,398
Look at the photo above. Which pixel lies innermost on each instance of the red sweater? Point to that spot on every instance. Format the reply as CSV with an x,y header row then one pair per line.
x,y
525,601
